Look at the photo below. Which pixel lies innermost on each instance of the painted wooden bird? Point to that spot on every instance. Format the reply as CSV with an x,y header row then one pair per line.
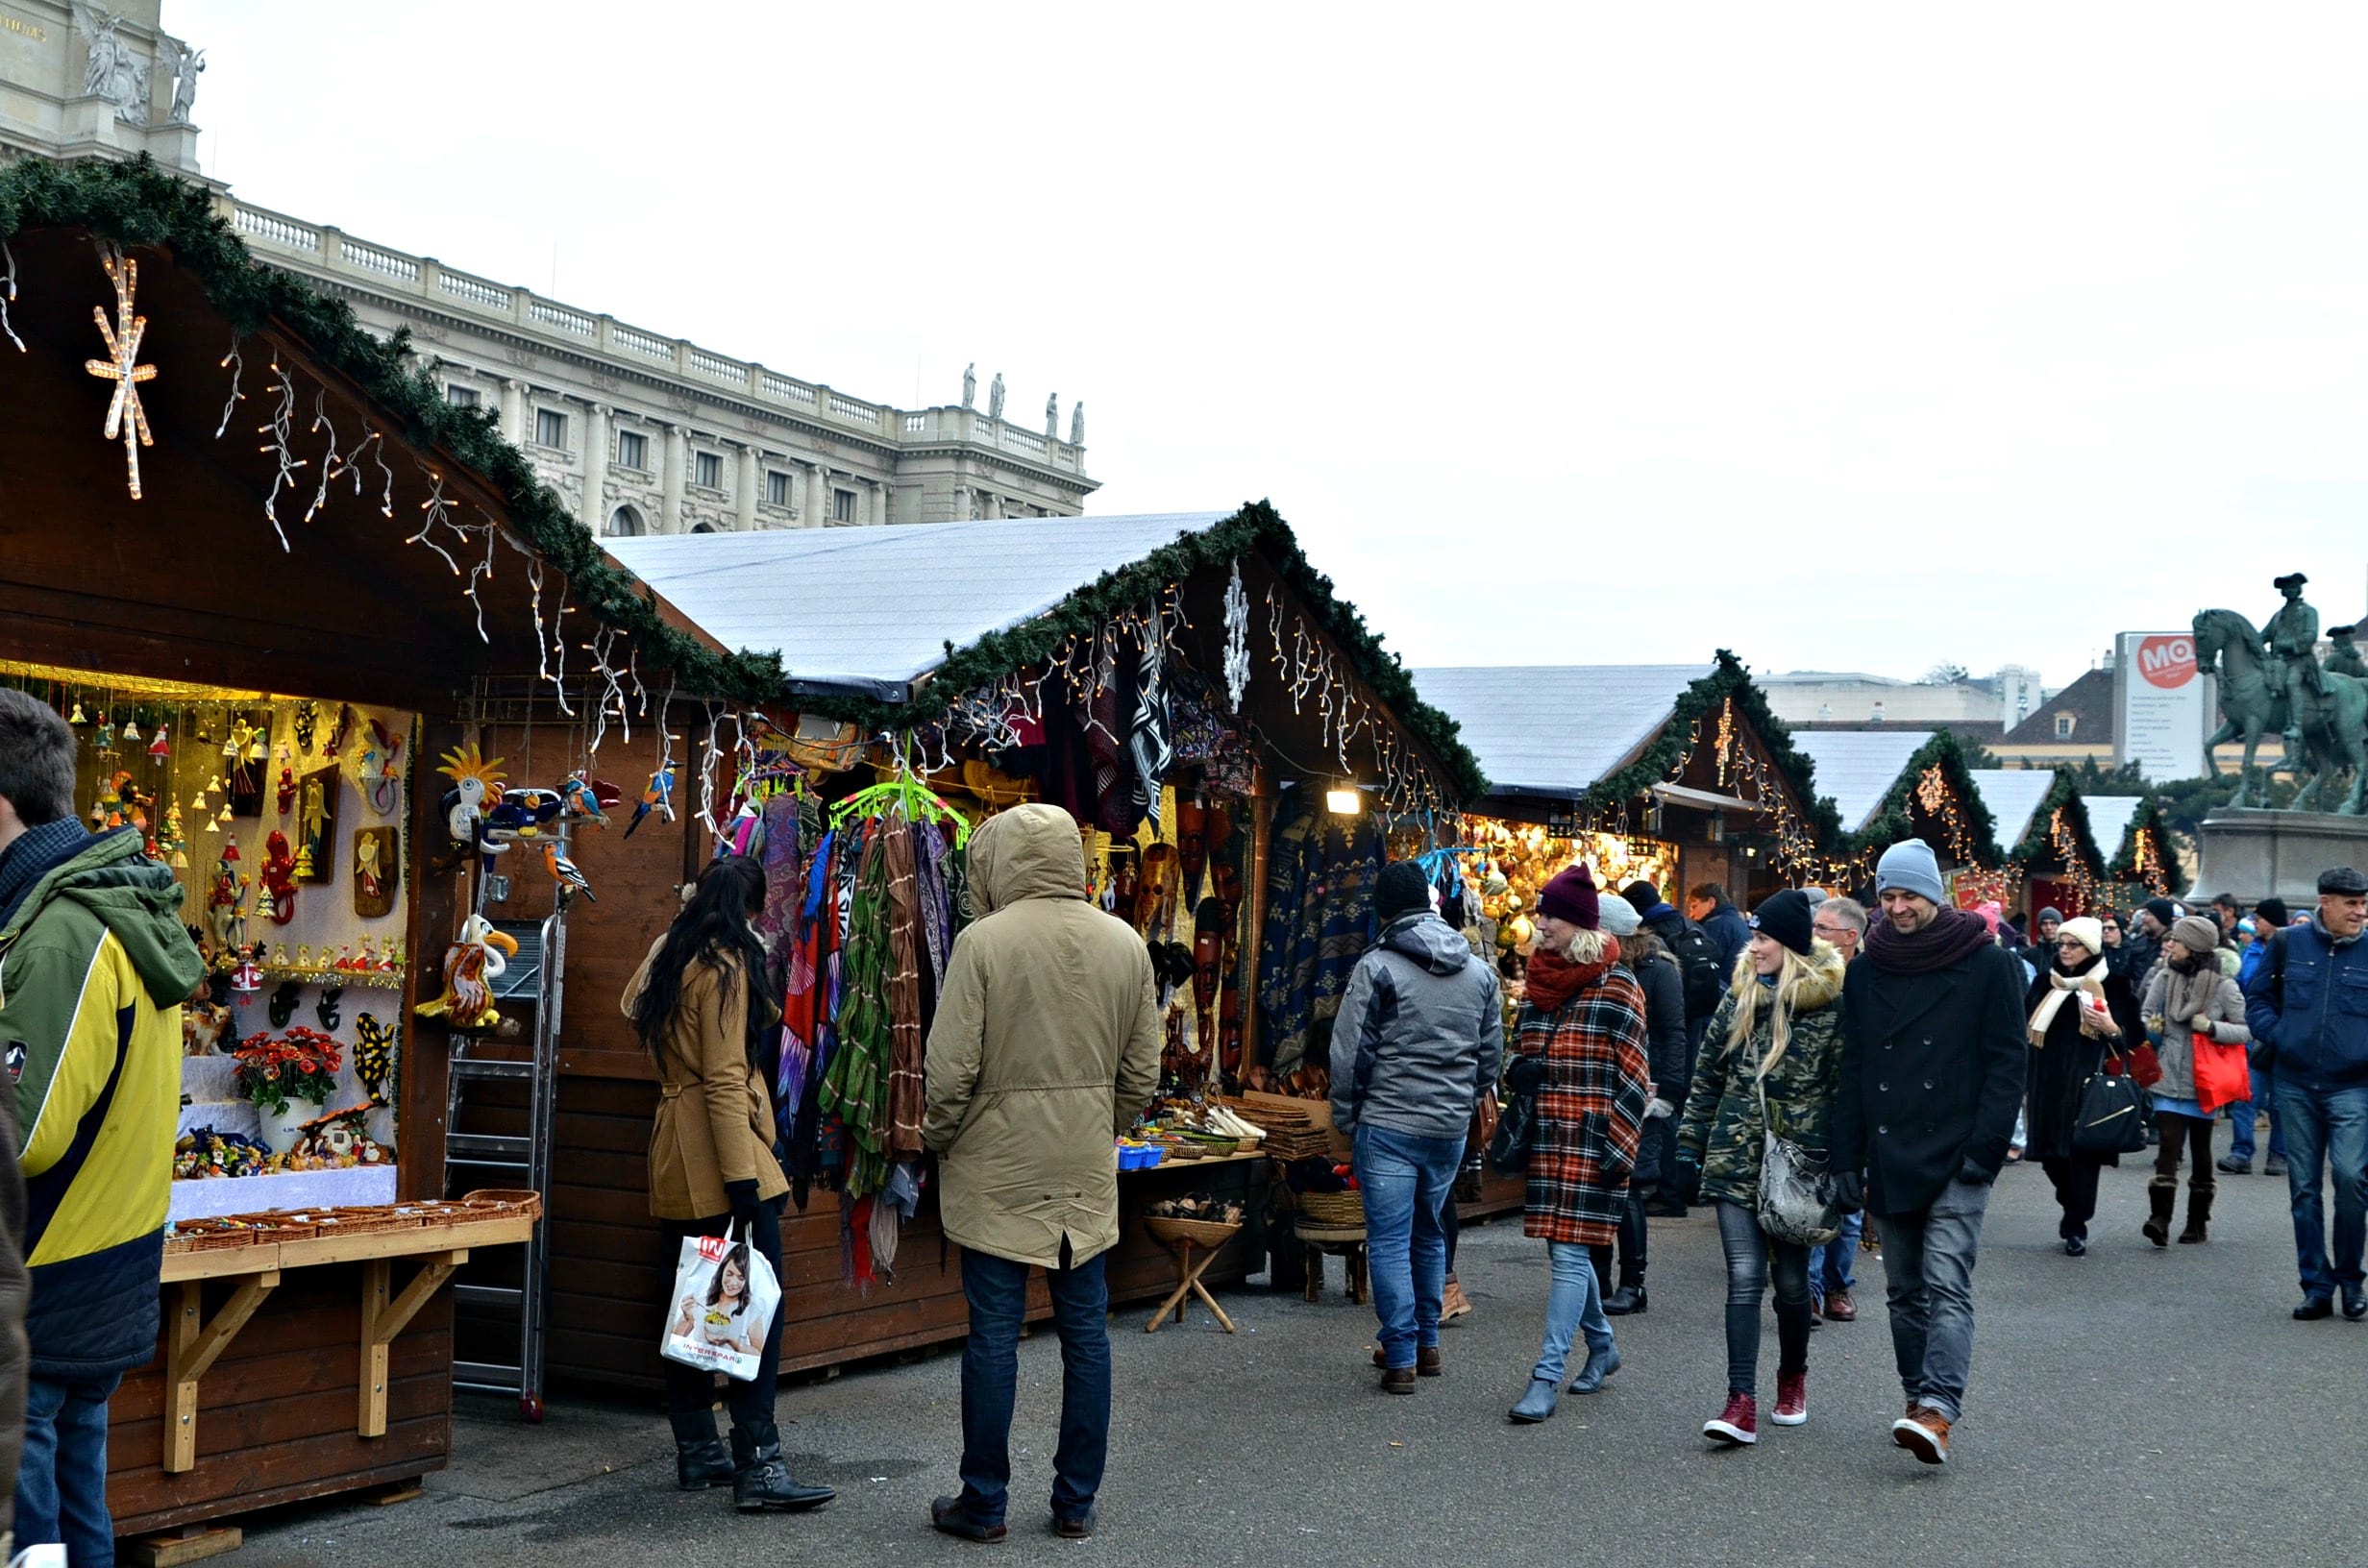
x,y
659,792
566,872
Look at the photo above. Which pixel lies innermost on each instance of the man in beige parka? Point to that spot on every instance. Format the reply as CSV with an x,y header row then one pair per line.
x,y
1045,1044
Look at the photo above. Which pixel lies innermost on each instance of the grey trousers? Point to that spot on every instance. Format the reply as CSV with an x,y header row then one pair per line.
x,y
1927,1258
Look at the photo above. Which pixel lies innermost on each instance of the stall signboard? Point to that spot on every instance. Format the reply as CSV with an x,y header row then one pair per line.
x,y
2163,703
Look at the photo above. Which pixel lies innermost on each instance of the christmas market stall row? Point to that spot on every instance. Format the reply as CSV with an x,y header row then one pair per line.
x,y
1232,743
266,577
2133,835
1887,785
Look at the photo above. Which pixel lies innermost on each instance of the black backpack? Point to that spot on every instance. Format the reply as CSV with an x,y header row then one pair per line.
x,y
1698,964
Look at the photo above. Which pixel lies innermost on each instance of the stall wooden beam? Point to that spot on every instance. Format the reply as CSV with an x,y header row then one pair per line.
x,y
382,1319
191,1350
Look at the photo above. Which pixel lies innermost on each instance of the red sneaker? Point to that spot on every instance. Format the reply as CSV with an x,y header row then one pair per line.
x,y
1792,1400
1738,1423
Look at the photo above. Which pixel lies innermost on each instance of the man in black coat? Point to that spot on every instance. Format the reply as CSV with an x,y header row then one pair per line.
x,y
1932,1075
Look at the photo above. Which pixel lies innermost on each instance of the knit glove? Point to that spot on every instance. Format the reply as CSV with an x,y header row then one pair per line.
x,y
1687,1184
1656,1108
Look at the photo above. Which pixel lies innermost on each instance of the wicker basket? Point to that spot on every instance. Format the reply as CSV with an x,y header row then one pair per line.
x,y
219,1235
491,1200
1200,1232
1332,1208
364,1221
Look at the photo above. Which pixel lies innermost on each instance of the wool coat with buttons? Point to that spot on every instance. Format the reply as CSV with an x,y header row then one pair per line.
x,y
1932,1076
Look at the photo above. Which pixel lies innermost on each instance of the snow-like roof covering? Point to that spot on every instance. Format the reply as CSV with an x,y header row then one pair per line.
x,y
2109,817
1555,729
2014,795
1856,768
870,609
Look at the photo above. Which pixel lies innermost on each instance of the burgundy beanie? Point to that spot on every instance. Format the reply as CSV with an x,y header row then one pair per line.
x,y
1571,897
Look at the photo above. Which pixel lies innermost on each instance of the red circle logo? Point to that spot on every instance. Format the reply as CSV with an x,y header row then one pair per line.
x,y
2167,661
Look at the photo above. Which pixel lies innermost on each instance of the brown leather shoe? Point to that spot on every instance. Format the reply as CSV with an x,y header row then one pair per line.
x,y
1924,1433
1426,1360
1839,1308
1398,1380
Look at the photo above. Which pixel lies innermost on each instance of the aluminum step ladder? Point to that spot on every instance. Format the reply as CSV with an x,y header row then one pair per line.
x,y
475,1160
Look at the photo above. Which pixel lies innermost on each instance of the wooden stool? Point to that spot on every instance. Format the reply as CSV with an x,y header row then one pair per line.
x,y
1182,1235
1342,1240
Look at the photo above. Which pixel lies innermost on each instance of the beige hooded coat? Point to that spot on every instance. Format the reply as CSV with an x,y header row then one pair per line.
x,y
1046,1044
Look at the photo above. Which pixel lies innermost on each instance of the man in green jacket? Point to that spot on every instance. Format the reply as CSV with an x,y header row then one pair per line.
x,y
94,966
1046,1044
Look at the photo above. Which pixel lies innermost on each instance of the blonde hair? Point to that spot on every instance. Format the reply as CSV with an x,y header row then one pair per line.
x,y
1750,996
1587,947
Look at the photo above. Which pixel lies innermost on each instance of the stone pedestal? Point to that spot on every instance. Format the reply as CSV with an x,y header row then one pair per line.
x,y
2253,854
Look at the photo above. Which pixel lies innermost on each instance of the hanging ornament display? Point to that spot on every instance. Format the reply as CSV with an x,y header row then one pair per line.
x,y
125,416
1237,638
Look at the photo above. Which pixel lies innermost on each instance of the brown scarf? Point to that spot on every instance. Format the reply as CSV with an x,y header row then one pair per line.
x,y
1554,979
2186,992
1952,935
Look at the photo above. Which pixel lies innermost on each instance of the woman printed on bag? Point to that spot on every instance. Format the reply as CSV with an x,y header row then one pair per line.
x,y
1775,1042
726,1301
2189,995
2074,1012
699,1006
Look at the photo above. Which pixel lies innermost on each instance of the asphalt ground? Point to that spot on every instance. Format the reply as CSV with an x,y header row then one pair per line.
x,y
2132,1408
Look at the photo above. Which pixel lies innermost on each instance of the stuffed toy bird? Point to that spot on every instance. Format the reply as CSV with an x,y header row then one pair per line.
x,y
566,872
659,792
588,800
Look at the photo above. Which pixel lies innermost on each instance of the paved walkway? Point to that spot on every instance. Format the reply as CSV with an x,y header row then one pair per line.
x,y
2131,1407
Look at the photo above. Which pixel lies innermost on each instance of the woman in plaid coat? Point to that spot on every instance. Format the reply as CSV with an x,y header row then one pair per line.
x,y
1579,1041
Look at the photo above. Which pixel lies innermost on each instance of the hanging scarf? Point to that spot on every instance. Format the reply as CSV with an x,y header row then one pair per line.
x,y
1554,979
907,1093
2187,991
856,1087
1952,935
1147,743
2062,988
784,887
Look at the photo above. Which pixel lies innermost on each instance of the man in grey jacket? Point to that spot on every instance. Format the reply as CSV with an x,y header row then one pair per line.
x,y
1417,1040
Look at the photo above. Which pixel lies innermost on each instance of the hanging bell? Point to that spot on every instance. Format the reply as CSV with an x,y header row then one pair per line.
x,y
130,727
181,861
76,717
211,826
226,813
214,783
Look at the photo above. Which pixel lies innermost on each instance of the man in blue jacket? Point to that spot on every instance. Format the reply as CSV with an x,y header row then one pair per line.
x,y
1709,907
2308,1005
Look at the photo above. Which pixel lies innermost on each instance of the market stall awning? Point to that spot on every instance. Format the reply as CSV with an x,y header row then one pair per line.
x,y
2109,817
1554,730
1856,768
870,610
2014,795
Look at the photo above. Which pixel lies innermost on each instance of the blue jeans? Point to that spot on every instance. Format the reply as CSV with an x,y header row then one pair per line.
x,y
2241,1135
1573,1305
1406,1180
2325,1128
62,1487
1834,1266
1928,1256
997,1290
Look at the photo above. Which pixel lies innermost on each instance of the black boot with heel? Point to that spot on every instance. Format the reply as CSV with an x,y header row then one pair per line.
x,y
699,1460
760,1481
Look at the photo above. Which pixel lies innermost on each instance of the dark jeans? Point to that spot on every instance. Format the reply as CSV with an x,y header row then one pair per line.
x,y
1752,1256
2326,1136
997,1290
691,1390
1406,1180
1450,1227
2181,1134
2075,1177
62,1487
1928,1255
2246,1114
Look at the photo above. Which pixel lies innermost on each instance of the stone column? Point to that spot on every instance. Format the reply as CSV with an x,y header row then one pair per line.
x,y
514,411
594,514
879,488
745,503
669,481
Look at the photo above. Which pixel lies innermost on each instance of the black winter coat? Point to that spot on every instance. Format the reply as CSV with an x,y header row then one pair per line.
x,y
1932,1076
2062,1068
1669,1043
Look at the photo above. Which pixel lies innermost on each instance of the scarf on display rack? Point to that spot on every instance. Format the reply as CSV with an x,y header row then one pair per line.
x,y
2088,980
1952,935
856,1086
784,886
907,1093
1148,742
1554,979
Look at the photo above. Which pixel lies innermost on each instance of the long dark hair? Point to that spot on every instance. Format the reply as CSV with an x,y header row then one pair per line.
x,y
713,928
737,1258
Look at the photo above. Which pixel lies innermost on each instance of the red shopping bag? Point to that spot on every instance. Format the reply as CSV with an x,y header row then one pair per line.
x,y
2221,1074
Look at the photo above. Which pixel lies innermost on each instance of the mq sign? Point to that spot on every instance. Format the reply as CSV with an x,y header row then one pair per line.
x,y
2167,662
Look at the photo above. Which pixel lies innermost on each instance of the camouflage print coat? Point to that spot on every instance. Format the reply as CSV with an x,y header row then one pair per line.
x,y
1721,1129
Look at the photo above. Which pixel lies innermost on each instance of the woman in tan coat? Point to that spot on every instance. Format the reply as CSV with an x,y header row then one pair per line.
x,y
698,1005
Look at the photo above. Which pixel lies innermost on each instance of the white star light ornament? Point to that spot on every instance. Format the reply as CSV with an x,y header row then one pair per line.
x,y
125,416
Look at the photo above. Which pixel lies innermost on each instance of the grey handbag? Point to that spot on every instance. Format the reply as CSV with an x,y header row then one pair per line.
x,y
1796,1188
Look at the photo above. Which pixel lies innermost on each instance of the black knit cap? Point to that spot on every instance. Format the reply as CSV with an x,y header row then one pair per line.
x,y
1787,918
1641,893
1403,890
2162,910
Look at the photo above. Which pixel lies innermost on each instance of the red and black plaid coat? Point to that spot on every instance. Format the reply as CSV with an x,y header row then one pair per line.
x,y
1591,1109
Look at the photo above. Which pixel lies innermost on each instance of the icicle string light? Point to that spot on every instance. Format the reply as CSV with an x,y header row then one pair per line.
x,y
8,296
238,367
281,425
328,459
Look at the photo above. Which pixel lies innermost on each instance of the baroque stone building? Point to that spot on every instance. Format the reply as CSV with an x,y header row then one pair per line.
x,y
640,433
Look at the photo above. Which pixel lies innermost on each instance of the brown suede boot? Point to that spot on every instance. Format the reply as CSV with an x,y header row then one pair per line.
x,y
2161,1196
2199,1210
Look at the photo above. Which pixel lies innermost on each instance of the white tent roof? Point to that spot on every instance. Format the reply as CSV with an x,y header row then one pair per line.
x,y
872,609
1856,768
1555,729
2012,796
2109,817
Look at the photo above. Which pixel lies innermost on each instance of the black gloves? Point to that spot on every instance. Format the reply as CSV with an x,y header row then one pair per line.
x,y
1686,1181
1975,1174
1849,1191
743,1201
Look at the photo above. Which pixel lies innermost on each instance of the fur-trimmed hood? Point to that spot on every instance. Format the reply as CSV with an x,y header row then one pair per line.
x,y
1816,986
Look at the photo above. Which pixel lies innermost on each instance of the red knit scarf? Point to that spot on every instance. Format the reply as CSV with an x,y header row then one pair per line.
x,y
1554,979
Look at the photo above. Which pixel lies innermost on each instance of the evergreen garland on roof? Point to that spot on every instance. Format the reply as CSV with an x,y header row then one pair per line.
x,y
137,203
2149,818
2064,794
1893,820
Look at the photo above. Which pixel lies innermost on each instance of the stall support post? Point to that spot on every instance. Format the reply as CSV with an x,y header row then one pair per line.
x,y
1261,843
193,1349
382,1320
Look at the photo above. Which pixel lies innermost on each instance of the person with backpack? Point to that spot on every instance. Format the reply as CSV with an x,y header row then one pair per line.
x,y
1668,1048
1703,980
1709,907
2304,1011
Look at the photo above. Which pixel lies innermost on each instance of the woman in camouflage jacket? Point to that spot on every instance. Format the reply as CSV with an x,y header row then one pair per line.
x,y
1776,1033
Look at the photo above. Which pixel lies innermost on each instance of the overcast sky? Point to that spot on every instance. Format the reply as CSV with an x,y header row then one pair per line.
x,y
1848,338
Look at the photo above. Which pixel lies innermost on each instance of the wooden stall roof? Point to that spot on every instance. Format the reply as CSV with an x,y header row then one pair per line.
x,y
2131,832
1935,797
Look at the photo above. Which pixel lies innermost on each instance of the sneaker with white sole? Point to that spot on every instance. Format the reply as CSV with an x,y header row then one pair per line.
x,y
1924,1433
1736,1425
1792,1400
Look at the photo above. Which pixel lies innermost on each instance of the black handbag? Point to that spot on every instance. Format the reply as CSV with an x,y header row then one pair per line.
x,y
2109,1120
1517,1121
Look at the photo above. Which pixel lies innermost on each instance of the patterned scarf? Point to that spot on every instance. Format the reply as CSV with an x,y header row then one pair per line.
x,y
908,1092
1148,742
1554,979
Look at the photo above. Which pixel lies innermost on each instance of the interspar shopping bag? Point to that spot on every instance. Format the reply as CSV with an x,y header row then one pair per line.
x,y
2222,1075
724,1298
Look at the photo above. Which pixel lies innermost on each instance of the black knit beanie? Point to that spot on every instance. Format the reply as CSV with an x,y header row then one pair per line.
x,y
1403,890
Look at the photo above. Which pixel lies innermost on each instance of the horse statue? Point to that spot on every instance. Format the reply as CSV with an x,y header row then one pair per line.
x,y
2334,727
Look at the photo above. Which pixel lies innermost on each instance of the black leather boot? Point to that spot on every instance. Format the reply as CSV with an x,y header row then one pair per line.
x,y
2161,1196
760,1481
1628,1298
699,1460
2199,1211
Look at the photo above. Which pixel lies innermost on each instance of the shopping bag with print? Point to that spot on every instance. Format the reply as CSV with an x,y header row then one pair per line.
x,y
724,1300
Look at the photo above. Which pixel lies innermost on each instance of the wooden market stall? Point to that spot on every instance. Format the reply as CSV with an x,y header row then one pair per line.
x,y
2052,861
261,569
975,664
2141,857
1930,793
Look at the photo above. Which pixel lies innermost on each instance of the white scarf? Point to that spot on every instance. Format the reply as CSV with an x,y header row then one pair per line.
x,y
2062,988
